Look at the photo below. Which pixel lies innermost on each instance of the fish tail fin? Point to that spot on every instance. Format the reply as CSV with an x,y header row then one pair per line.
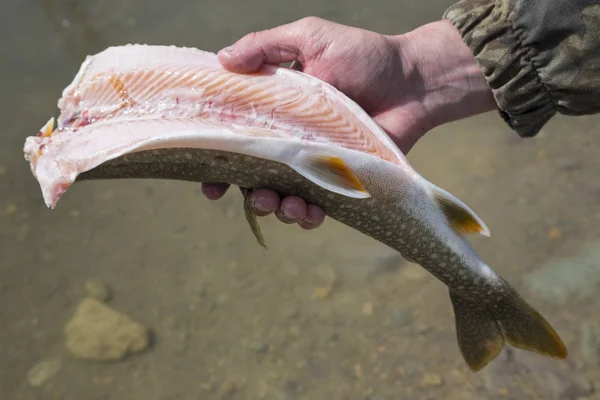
x,y
483,327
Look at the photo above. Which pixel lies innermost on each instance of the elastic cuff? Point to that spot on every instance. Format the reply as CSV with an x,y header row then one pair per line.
x,y
486,27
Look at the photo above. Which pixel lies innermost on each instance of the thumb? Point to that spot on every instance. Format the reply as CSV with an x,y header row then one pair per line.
x,y
272,46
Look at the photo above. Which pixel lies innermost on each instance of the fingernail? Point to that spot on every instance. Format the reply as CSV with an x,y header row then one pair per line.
x,y
228,51
283,216
307,220
285,213
260,205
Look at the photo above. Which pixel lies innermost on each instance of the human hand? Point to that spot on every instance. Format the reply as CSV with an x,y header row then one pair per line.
x,y
409,84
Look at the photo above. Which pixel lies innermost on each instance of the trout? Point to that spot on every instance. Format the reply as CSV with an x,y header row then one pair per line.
x,y
167,112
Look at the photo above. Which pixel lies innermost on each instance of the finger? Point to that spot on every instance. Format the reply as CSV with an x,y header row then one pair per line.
x,y
314,217
214,191
272,46
250,53
291,210
264,201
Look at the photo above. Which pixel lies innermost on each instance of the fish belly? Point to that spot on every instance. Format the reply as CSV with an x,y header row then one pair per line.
x,y
379,216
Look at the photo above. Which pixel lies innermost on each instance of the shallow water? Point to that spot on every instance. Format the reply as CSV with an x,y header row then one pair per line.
x,y
231,321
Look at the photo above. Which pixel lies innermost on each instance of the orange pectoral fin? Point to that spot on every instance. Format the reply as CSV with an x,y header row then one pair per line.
x,y
333,174
339,171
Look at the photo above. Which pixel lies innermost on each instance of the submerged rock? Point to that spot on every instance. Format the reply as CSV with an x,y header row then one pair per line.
x,y
590,342
570,277
100,333
41,372
98,290
431,379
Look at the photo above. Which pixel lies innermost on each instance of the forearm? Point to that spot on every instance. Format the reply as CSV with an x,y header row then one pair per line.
x,y
450,83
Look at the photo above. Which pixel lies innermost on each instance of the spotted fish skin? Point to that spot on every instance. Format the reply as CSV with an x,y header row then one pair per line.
x,y
172,113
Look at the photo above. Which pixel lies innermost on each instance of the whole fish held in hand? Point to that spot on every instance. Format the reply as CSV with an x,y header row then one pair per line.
x,y
167,112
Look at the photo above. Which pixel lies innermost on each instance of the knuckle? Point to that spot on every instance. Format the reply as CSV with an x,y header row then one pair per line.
x,y
311,22
252,36
311,19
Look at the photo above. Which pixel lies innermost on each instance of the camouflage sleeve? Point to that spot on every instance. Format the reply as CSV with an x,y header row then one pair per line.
x,y
539,57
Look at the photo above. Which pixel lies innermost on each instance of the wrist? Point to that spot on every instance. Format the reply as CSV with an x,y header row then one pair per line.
x,y
450,83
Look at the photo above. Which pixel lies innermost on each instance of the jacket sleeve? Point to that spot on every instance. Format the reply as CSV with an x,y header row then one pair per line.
x,y
539,57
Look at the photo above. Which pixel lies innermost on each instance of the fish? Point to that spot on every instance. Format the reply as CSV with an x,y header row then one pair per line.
x,y
142,111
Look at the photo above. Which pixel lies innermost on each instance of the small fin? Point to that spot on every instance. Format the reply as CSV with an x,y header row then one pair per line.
x,y
48,128
460,217
482,328
332,173
252,219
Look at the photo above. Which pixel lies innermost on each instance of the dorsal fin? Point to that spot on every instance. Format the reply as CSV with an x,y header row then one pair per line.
x,y
460,217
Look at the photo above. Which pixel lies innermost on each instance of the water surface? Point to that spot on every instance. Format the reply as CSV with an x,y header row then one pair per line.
x,y
231,321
